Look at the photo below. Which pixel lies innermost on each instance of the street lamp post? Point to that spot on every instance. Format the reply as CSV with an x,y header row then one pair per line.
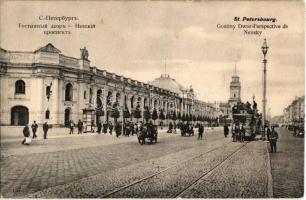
x,y
264,49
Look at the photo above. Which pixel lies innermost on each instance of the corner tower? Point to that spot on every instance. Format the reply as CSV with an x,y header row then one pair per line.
x,y
235,89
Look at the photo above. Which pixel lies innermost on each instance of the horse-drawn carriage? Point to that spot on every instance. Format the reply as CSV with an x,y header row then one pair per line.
x,y
148,132
187,130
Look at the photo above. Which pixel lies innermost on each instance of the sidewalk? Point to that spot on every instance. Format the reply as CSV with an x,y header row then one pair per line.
x,y
287,166
14,133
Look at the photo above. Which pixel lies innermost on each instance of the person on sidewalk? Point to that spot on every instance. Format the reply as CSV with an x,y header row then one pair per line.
x,y
99,125
272,138
117,129
92,124
71,126
201,131
105,126
268,131
110,126
80,127
45,129
226,130
26,134
34,129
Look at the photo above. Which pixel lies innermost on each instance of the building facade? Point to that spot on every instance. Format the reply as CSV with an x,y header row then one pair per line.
x,y
46,86
295,112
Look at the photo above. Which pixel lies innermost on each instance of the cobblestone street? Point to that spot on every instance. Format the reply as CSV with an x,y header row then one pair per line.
x,y
103,166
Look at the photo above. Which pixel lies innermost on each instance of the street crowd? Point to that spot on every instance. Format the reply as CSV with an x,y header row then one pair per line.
x,y
129,128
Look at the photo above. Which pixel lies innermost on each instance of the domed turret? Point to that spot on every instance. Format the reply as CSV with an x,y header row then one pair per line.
x,y
168,83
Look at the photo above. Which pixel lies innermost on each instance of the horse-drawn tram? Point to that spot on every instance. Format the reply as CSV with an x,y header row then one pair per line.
x,y
246,122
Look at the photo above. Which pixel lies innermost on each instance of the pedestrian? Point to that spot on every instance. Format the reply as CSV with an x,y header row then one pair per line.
x,y
201,131
71,126
235,133
80,127
34,129
117,129
92,126
170,128
99,126
272,138
242,133
226,130
26,134
105,127
45,129
110,126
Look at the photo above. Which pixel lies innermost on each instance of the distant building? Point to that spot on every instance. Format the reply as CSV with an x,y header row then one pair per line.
x,y
235,89
188,101
295,111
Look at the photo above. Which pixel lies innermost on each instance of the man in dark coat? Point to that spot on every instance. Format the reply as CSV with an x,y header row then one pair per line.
x,y
170,128
201,131
226,130
26,133
71,126
272,138
110,126
118,129
80,127
105,127
235,132
99,126
45,129
34,129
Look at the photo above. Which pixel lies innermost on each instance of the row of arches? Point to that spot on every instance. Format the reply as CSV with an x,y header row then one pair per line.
x,y
134,101
20,115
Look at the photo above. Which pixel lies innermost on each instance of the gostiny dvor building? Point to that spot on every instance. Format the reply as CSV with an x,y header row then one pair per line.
x,y
47,86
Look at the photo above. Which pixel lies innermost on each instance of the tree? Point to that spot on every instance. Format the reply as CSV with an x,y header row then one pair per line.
x,y
174,116
190,117
115,112
168,116
179,117
146,114
194,118
154,115
99,108
137,113
162,115
127,114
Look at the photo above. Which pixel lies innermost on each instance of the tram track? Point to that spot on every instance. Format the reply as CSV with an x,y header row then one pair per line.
x,y
107,195
208,173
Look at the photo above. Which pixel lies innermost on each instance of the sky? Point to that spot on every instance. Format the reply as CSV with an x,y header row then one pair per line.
x,y
138,39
